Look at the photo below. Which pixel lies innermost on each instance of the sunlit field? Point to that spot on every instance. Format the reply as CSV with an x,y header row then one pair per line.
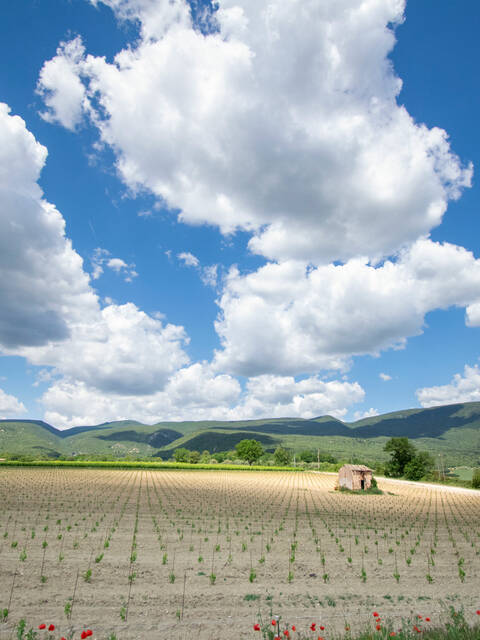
x,y
183,554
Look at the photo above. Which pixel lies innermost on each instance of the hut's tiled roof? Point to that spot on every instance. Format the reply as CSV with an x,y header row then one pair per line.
x,y
356,467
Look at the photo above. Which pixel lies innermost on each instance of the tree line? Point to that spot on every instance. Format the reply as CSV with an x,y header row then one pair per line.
x,y
251,451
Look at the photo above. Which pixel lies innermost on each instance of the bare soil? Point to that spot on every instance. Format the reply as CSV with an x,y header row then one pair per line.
x,y
276,543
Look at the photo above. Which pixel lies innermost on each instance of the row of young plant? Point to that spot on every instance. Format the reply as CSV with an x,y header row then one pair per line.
x,y
63,539
344,539
65,535
211,528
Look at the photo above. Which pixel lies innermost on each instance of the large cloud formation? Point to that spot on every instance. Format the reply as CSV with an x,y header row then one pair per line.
x,y
49,312
281,119
291,317
197,393
43,288
115,361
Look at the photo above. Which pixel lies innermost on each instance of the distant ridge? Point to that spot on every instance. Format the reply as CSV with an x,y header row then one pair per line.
x,y
65,433
40,423
452,431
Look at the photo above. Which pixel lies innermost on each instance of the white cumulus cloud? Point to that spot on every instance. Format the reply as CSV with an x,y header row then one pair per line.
x,y
358,415
60,87
49,313
191,393
196,392
277,396
385,377
121,351
462,388
293,318
283,121
43,287
10,406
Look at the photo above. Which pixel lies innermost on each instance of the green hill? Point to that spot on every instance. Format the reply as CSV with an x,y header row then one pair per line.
x,y
34,437
215,441
451,430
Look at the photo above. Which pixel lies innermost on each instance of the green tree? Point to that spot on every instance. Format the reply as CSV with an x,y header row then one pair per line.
x,y
249,450
419,466
313,455
181,455
282,457
476,478
308,455
194,457
401,452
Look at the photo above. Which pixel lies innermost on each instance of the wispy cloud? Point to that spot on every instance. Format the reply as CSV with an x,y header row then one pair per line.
x,y
208,274
101,259
188,259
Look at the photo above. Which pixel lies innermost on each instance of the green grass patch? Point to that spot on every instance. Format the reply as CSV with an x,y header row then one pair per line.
x,y
450,627
461,473
361,492
133,464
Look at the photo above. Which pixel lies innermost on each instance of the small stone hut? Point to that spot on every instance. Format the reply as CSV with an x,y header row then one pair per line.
x,y
356,477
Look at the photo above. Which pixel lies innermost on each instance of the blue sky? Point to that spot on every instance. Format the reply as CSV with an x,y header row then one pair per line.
x,y
237,213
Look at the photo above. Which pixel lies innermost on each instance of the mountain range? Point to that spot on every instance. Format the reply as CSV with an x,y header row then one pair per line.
x,y
451,431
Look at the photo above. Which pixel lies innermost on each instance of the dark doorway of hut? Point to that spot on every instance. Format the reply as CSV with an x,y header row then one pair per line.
x,y
363,485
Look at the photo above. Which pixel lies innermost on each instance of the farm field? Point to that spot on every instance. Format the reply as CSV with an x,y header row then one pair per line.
x,y
184,554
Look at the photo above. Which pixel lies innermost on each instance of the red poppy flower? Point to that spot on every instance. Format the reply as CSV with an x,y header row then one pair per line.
x,y
42,626
427,619
319,638
378,627
294,628
347,628
273,623
277,638
375,614
313,626
478,612
256,627
62,638
83,635
322,628
89,632
51,627
419,617
286,633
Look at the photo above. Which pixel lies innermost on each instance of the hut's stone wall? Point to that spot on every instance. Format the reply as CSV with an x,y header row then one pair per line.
x,y
355,477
